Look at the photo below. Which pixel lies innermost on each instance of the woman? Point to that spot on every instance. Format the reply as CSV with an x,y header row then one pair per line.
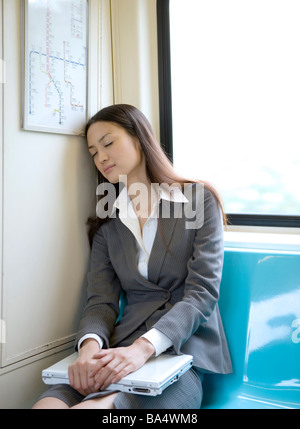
x,y
158,239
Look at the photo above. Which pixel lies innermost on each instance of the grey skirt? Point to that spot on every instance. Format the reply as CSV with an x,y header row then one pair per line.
x,y
186,393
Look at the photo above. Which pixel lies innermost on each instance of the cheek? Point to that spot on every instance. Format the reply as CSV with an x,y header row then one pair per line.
x,y
136,160
130,158
98,164
136,154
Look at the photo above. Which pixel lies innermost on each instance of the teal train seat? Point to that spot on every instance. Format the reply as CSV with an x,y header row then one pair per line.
x,y
260,307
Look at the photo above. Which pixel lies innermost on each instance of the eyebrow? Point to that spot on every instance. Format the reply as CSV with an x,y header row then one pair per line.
x,y
100,140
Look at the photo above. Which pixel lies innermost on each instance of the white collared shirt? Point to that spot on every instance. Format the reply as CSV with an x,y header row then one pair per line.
x,y
144,240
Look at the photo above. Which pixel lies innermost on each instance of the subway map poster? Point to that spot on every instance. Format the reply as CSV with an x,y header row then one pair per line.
x,y
55,66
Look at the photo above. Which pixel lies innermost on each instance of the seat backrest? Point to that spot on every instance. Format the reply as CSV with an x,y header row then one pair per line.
x,y
272,358
260,309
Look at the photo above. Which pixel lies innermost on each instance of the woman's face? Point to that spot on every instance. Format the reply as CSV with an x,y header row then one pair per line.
x,y
115,152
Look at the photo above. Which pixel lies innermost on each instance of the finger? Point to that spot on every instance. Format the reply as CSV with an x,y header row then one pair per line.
x,y
100,364
115,376
114,371
79,379
103,352
83,376
100,353
106,372
71,375
74,379
112,378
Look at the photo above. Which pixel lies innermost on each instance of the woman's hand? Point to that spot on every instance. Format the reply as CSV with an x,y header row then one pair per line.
x,y
115,363
80,371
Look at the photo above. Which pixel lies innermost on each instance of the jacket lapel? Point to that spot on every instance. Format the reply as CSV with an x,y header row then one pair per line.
x,y
129,246
167,221
128,242
168,217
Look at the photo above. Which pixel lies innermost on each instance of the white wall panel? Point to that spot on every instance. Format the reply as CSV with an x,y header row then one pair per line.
x,y
48,192
134,35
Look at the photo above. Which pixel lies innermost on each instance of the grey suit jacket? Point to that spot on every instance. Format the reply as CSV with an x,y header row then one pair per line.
x,y
180,297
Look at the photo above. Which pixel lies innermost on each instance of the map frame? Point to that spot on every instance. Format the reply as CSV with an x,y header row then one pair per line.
x,y
80,110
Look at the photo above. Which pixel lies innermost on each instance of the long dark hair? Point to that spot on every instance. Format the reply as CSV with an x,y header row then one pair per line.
x,y
158,166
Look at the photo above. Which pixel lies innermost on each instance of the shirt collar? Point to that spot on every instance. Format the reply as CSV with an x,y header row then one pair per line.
x,y
172,193
165,192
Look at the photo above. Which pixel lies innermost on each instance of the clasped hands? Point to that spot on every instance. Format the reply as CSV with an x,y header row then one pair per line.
x,y
96,369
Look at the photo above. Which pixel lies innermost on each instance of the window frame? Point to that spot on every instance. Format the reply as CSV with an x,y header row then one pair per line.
x,y
164,76
166,125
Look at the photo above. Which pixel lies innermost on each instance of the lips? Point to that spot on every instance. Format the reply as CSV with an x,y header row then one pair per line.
x,y
108,169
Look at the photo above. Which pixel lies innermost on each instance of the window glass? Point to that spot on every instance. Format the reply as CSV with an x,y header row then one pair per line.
x,y
235,69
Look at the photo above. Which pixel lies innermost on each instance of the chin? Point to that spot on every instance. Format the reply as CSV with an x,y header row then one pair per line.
x,y
113,180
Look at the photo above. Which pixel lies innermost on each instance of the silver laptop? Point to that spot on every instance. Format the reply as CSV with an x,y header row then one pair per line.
x,y
156,375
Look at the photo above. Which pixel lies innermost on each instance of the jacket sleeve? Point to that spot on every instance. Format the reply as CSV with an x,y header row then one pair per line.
x,y
201,290
103,293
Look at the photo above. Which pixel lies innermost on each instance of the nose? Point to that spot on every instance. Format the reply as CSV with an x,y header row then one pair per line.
x,y
101,156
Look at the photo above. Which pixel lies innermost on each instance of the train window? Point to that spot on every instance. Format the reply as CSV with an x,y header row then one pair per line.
x,y
234,103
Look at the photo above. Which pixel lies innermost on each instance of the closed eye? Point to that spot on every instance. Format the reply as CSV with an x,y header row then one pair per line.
x,y
108,144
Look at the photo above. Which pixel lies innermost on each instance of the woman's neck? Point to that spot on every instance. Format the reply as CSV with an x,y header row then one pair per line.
x,y
142,199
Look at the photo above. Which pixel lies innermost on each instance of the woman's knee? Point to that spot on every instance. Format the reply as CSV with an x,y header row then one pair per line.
x,y
50,403
105,402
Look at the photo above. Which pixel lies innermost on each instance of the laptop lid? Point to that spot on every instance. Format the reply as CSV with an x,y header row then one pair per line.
x,y
58,373
157,374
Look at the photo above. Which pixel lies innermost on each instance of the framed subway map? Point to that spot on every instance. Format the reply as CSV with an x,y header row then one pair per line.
x,y
55,65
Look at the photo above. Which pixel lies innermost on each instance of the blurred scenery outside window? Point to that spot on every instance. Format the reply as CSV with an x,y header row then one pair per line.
x,y
235,70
